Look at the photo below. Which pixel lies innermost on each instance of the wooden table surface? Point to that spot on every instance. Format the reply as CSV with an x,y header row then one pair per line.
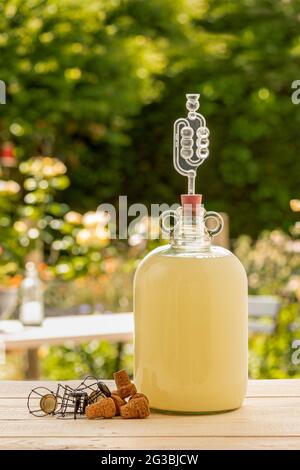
x,y
269,419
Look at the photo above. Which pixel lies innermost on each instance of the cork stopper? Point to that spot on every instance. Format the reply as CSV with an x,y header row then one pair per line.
x,y
121,378
104,408
118,403
135,408
125,387
191,203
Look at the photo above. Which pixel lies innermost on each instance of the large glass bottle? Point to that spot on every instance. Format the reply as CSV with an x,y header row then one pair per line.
x,y
190,310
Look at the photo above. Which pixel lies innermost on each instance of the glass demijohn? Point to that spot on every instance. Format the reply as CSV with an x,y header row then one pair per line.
x,y
190,300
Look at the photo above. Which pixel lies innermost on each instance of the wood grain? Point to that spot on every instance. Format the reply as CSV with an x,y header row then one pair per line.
x,y
269,419
148,443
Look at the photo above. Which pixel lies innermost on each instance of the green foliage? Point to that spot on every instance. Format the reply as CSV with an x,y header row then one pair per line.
x,y
99,359
66,244
272,263
273,267
99,84
10,250
270,357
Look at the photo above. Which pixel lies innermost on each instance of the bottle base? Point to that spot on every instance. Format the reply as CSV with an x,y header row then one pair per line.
x,y
192,413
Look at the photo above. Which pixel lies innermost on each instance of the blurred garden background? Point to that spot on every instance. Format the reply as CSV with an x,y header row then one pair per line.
x,y
93,89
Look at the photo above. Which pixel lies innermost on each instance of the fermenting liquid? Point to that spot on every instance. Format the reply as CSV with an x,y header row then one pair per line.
x,y
191,330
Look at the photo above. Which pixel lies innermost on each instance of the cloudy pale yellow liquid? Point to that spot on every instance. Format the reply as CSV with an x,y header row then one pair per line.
x,y
191,331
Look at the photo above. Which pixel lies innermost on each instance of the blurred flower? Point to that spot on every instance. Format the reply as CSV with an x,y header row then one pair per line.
x,y
8,188
147,228
45,271
295,205
110,265
91,219
37,197
83,237
294,246
43,184
144,229
30,184
295,230
68,242
24,241
60,182
102,233
277,237
141,226
12,281
293,286
73,217
73,74
95,256
271,262
93,237
63,268
47,167
42,224
56,224
4,221
253,280
33,233
57,245
20,226
7,153
135,239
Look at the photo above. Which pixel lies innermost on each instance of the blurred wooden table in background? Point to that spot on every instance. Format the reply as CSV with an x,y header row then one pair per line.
x,y
74,329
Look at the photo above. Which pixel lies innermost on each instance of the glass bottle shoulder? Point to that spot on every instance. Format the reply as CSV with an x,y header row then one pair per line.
x,y
170,251
167,260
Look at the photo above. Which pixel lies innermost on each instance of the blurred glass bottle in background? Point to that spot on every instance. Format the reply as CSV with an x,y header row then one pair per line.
x,y
32,302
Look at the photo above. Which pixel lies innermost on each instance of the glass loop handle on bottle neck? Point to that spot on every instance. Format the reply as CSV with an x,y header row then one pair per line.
x,y
176,215
166,222
219,222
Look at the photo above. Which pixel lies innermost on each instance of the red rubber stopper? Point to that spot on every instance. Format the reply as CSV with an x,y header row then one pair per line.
x,y
190,202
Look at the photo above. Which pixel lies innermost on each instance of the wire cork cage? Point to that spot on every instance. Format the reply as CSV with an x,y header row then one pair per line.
x,y
66,402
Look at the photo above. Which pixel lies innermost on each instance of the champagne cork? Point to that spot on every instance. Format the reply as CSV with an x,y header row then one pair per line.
x,y
135,408
125,387
104,408
139,395
118,403
121,378
127,391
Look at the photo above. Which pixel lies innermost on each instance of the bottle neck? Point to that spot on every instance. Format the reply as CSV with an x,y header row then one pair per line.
x,y
190,233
